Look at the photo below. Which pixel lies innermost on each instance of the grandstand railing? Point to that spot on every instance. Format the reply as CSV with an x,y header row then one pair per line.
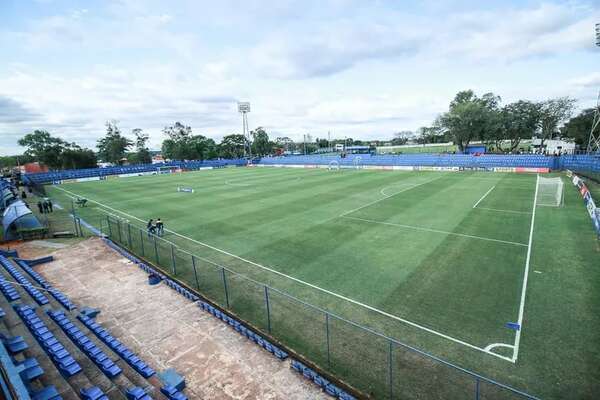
x,y
376,364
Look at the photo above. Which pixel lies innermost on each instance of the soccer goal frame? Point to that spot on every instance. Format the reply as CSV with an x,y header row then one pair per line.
x,y
333,165
167,169
357,162
550,192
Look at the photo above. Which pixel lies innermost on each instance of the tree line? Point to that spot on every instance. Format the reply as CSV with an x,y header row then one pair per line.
x,y
117,148
502,127
469,118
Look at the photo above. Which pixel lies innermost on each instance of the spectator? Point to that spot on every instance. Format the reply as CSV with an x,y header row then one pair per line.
x,y
50,205
39,204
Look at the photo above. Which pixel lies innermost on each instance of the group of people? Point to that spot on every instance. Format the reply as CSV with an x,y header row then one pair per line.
x,y
155,228
45,206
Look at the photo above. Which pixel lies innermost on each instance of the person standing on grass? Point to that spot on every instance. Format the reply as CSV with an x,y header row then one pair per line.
x,y
45,206
159,227
39,204
50,205
149,227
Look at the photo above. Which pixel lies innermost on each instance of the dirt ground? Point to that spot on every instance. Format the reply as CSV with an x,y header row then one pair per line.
x,y
167,330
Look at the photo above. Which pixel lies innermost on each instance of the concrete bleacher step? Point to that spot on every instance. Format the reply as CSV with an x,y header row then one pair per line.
x,y
91,374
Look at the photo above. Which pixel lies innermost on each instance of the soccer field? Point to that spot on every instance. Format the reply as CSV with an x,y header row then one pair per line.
x,y
439,260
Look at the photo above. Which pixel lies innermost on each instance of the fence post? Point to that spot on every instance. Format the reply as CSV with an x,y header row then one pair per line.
x,y
120,233
155,250
79,226
129,236
173,260
268,308
327,333
195,273
476,388
142,242
74,218
109,227
225,286
391,378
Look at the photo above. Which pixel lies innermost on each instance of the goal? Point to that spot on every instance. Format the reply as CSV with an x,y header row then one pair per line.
x,y
167,169
333,166
357,162
550,192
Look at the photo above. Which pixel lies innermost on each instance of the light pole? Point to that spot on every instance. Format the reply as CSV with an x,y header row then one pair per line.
x,y
594,139
244,109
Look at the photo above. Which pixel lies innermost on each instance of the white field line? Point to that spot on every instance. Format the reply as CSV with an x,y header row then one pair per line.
x,y
387,197
506,211
339,296
525,276
484,196
420,228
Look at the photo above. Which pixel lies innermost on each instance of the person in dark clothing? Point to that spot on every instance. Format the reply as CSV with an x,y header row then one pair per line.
x,y
150,227
50,205
45,206
159,227
39,204
23,195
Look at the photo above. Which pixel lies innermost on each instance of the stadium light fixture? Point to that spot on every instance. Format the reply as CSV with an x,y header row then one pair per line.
x,y
244,109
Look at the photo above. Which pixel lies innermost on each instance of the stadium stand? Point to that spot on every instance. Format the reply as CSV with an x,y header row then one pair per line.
x,y
58,176
55,355
426,160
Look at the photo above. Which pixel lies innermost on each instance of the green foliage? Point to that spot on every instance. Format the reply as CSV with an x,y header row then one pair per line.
x,y
142,154
578,128
113,146
553,112
182,145
520,119
232,146
55,152
261,146
471,118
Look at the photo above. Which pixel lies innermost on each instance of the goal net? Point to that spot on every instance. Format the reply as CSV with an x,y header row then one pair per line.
x,y
357,162
167,169
333,166
550,192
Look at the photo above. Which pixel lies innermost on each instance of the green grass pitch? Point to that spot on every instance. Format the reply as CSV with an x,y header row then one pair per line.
x,y
434,259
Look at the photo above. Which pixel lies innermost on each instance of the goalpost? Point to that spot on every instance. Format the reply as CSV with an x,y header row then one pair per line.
x,y
167,169
550,192
333,166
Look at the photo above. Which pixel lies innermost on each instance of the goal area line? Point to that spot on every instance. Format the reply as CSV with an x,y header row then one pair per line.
x,y
307,284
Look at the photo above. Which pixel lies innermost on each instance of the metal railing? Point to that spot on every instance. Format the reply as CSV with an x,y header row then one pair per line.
x,y
373,363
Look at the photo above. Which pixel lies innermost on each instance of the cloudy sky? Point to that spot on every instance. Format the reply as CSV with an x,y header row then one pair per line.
x,y
362,69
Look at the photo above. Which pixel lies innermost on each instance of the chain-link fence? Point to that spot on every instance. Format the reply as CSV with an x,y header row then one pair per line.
x,y
367,360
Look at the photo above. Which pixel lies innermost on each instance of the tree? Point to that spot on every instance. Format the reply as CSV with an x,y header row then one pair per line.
x,y
578,128
553,112
182,145
75,157
520,119
112,147
142,154
41,146
55,152
232,146
401,138
261,146
470,117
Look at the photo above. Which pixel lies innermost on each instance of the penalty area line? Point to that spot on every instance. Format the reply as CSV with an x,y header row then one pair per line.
x,y
339,296
420,228
483,197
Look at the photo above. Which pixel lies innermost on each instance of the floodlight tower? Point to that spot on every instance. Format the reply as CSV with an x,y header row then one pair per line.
x,y
244,109
594,140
